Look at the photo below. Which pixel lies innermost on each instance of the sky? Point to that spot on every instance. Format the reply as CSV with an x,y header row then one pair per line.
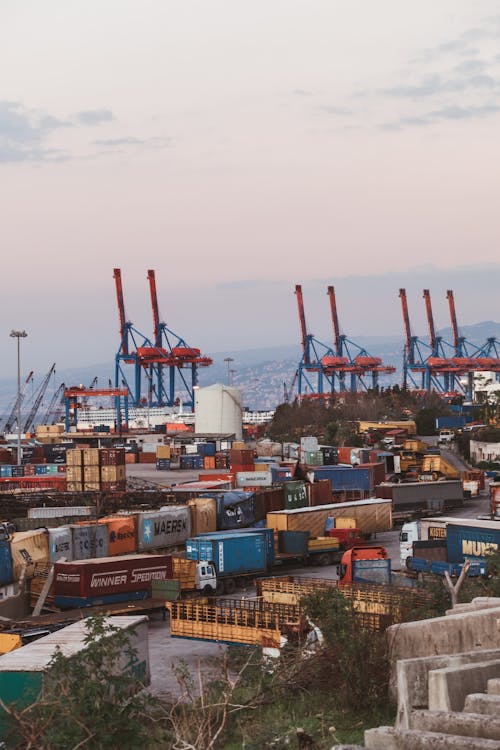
x,y
239,149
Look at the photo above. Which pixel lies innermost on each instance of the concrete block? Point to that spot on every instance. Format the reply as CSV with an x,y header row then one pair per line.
x,y
456,723
381,738
452,634
412,678
407,739
480,703
480,602
493,687
449,687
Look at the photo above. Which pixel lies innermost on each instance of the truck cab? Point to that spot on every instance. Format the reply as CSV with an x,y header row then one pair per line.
x,y
365,565
205,578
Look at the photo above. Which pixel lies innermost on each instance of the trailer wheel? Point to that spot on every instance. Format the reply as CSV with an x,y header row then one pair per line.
x,y
229,586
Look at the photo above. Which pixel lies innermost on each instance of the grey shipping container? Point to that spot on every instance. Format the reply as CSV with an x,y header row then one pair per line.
x,y
423,495
89,540
60,543
159,529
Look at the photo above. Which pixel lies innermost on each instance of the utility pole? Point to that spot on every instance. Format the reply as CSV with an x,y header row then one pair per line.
x,y
18,335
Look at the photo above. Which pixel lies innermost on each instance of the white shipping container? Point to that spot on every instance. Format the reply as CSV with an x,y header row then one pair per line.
x,y
308,443
56,512
254,479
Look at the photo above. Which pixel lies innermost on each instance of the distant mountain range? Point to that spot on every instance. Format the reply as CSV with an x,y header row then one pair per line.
x,y
260,373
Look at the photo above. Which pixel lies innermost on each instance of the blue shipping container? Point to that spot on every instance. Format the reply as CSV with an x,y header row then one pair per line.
x,y
455,422
6,470
40,469
465,542
344,478
267,533
232,554
6,573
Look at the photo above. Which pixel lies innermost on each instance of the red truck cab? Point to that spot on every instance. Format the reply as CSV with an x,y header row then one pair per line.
x,y
368,564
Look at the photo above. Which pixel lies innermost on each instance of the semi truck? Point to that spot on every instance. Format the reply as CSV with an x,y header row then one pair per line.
x,y
465,539
417,531
226,560
411,499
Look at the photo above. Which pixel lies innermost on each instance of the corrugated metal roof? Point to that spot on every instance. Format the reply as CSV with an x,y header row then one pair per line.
x,y
36,656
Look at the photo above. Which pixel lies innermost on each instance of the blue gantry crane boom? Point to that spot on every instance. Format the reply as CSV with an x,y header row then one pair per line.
x,y
38,399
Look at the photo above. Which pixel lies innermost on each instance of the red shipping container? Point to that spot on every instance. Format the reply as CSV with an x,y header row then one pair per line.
x,y
131,458
237,456
223,476
235,468
106,576
345,455
112,457
147,458
319,493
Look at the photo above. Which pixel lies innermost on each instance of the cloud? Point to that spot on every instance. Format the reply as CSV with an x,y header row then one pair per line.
x,y
94,116
328,109
115,143
434,85
23,132
301,92
453,113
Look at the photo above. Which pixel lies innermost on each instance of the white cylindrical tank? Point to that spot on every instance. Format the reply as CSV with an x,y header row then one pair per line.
x,y
218,410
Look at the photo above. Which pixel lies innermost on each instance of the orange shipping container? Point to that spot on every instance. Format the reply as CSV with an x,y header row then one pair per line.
x,y
209,462
131,458
122,535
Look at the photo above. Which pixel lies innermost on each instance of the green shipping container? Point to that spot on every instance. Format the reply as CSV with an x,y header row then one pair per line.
x,y
295,495
313,458
22,671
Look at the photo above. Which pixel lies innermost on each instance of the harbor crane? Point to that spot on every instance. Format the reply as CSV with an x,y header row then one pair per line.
x,y
12,418
332,365
168,363
447,368
56,406
38,399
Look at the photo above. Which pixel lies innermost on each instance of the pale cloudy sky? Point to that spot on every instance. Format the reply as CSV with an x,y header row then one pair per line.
x,y
239,148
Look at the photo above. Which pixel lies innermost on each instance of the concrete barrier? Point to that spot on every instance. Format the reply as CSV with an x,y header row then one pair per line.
x,y
413,679
449,687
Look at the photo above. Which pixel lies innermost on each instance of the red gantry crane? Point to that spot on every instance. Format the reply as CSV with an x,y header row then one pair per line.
x,y
167,354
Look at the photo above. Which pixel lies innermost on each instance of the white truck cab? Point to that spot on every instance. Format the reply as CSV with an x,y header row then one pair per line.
x,y
419,531
205,578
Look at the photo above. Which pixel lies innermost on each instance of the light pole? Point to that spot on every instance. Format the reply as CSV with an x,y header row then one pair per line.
x,y
18,335
228,360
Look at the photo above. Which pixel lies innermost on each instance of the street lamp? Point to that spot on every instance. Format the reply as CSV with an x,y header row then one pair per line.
x,y
18,335
228,360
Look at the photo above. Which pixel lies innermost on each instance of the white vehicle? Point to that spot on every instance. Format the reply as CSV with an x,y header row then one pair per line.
x,y
419,531
446,436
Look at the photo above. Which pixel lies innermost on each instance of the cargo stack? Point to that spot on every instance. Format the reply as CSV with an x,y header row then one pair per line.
x,y
49,433
163,453
74,470
95,469
113,478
